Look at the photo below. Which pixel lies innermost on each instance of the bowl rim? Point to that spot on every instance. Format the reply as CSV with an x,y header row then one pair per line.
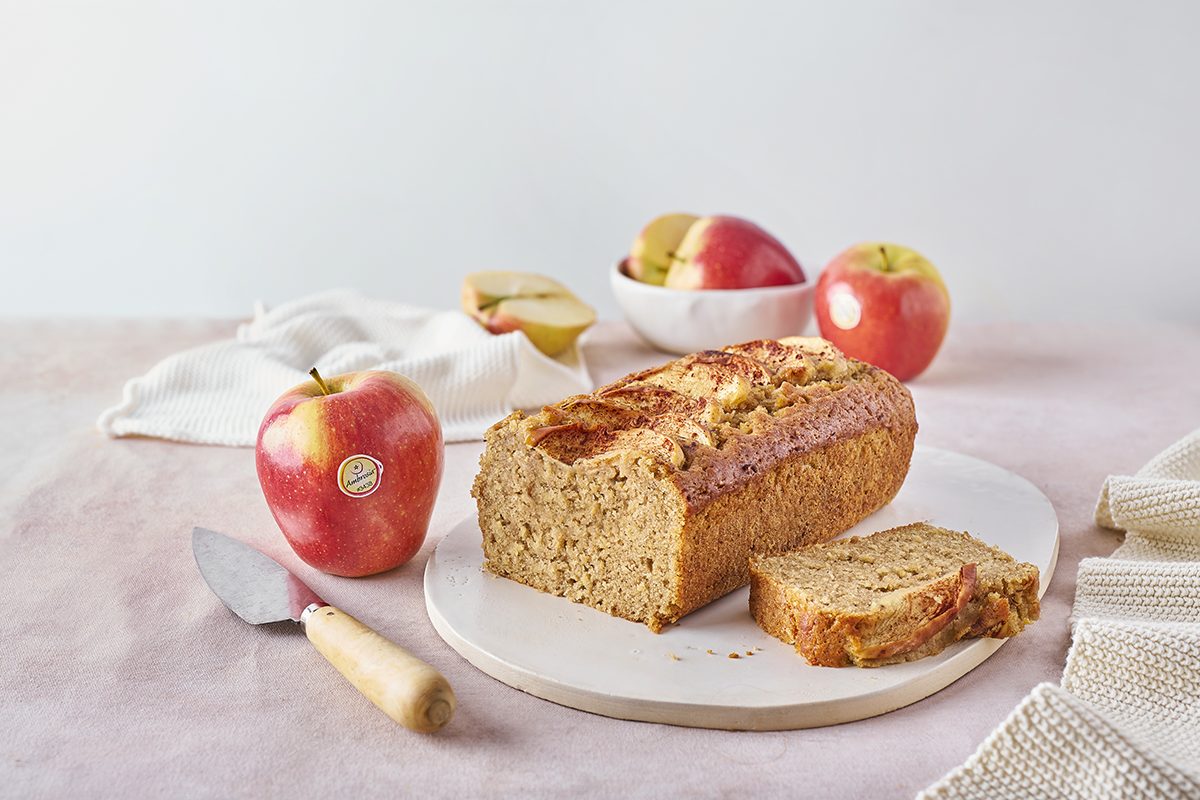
x,y
650,288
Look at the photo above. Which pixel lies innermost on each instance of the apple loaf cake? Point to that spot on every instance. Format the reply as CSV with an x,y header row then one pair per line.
x,y
646,498
897,595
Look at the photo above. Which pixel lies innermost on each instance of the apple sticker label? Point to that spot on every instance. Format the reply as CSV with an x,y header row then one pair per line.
x,y
845,310
359,475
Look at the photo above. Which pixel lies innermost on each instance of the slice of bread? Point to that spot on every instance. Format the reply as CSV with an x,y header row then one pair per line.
x,y
897,595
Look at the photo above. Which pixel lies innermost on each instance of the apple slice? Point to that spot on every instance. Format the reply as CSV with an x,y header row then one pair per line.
x,y
483,289
653,250
542,308
551,323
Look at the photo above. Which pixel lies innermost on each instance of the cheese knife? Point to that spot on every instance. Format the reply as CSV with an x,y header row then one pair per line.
x,y
260,590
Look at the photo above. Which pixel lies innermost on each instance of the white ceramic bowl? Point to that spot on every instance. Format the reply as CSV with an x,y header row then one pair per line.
x,y
686,320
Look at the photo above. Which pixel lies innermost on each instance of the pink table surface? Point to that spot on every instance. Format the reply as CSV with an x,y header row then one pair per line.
x,y
123,676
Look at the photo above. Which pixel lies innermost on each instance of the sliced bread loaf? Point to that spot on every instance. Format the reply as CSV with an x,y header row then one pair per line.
x,y
897,595
645,498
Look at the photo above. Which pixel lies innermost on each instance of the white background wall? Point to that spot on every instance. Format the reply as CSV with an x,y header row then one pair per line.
x,y
161,158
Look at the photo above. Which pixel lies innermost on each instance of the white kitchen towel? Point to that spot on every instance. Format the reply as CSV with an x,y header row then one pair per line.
x,y
1125,721
218,393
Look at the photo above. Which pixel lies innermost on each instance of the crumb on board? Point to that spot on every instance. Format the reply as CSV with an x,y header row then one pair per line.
x,y
734,655
710,652
749,652
674,657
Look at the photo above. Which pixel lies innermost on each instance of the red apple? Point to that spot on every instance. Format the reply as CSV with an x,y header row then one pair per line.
x,y
884,304
730,253
350,467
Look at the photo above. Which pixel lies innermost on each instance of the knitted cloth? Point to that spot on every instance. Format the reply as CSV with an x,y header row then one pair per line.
x,y
218,393
1125,721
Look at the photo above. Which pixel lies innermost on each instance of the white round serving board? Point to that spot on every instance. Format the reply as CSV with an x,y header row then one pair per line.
x,y
576,656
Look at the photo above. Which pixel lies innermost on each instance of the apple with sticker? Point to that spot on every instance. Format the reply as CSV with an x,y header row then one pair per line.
x,y
350,468
885,304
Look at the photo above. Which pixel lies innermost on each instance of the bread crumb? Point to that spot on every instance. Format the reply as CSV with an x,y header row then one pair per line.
x,y
749,652
710,652
734,655
674,657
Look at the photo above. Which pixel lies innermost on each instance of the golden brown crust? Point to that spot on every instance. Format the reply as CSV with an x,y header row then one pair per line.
x,y
755,448
874,401
807,498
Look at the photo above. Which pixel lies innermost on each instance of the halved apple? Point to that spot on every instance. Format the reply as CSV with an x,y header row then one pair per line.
x,y
654,249
545,310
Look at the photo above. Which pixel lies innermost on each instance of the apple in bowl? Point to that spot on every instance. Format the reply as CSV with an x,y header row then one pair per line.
x,y
653,250
694,283
885,304
350,469
683,251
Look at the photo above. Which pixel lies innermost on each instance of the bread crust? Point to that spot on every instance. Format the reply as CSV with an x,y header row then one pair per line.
x,y
820,443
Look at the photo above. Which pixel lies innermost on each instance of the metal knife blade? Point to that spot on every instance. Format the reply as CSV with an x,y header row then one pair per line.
x,y
254,586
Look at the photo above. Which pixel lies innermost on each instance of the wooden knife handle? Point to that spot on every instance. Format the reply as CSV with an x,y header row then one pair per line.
x,y
403,686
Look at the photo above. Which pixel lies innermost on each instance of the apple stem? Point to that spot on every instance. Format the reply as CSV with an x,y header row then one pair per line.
x,y
316,376
883,252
